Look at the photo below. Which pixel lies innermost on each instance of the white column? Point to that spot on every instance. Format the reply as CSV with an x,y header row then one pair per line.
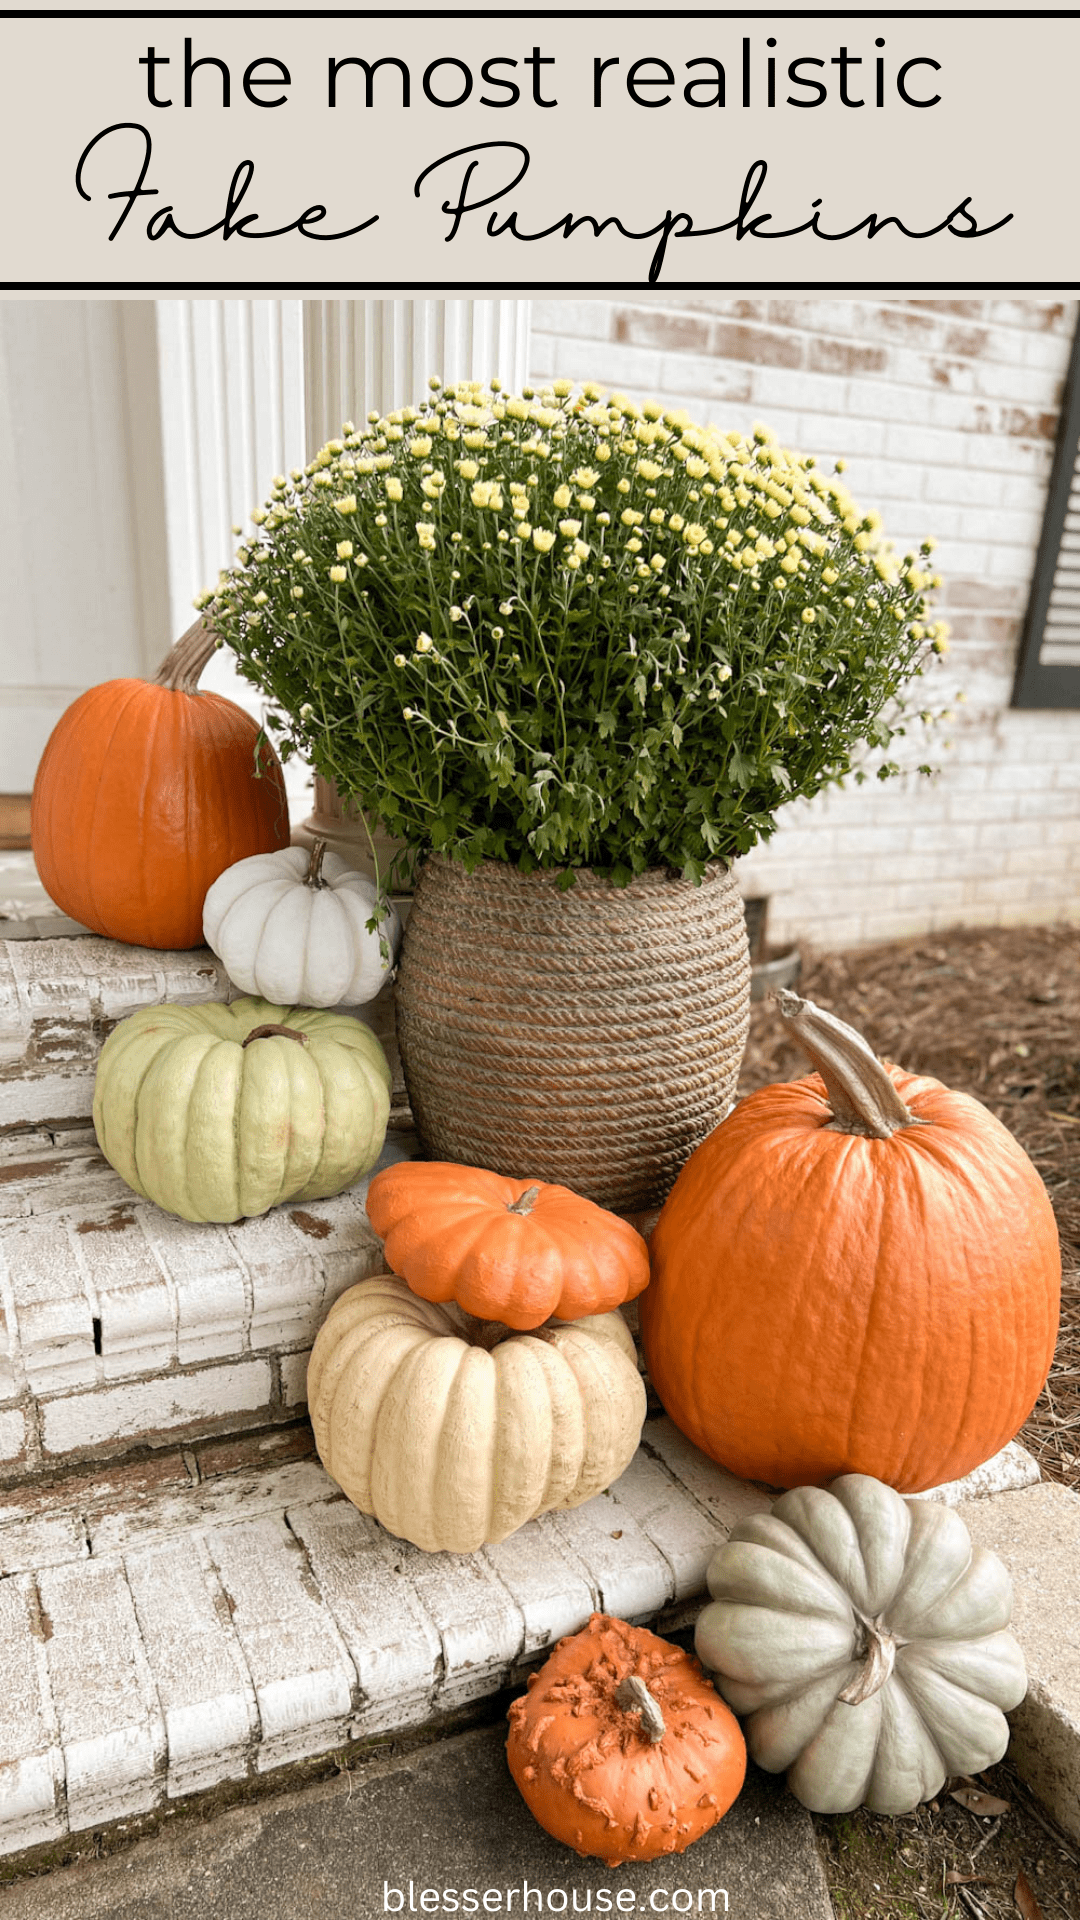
x,y
365,355
231,376
232,409
250,388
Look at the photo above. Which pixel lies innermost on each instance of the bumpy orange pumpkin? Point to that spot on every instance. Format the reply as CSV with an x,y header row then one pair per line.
x,y
509,1250
146,792
855,1273
621,1748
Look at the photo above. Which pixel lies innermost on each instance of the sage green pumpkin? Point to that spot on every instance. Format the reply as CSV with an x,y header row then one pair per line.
x,y
865,1639
222,1112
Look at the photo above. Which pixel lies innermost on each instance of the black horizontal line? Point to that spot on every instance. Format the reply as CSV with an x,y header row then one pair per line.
x,y
539,13
539,286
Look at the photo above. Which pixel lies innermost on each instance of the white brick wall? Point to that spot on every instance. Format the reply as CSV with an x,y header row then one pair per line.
x,y
946,412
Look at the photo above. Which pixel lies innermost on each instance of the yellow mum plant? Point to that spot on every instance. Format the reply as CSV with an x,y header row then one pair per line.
x,y
568,630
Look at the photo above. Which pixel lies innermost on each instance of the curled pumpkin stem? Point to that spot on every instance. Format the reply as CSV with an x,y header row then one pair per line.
x,y
183,664
272,1032
878,1655
861,1091
634,1697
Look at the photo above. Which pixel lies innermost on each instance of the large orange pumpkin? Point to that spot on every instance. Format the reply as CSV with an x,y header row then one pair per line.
x,y
517,1251
621,1748
146,792
855,1273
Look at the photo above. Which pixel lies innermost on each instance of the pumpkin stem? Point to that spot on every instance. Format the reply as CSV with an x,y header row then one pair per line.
x,y
861,1092
484,1333
183,664
526,1201
269,1033
878,1655
634,1697
313,877
489,1333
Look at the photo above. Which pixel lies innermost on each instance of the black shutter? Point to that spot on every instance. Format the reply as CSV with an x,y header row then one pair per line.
x,y
1048,670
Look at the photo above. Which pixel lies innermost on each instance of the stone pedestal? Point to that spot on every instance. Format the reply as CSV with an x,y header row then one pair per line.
x,y
343,828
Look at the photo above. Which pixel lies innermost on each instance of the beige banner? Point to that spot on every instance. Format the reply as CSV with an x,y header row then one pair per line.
x,y
504,152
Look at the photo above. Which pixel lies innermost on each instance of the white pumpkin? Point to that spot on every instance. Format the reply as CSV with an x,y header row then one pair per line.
x,y
864,1636
454,1432
293,927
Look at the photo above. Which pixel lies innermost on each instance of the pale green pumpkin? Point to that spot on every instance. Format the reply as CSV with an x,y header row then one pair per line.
x,y
865,1639
222,1112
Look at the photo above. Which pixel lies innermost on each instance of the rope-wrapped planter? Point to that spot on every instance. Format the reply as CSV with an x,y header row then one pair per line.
x,y
590,1036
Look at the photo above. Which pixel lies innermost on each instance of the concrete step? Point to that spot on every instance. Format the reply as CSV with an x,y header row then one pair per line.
x,y
59,998
445,1818
121,1326
1036,1531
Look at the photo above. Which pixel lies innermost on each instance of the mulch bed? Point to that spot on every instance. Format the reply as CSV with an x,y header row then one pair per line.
x,y
996,1014
944,1862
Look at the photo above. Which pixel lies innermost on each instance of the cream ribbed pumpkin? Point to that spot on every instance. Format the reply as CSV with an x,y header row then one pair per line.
x,y
865,1638
454,1433
293,927
220,1112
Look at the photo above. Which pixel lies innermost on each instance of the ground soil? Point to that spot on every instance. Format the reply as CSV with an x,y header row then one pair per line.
x,y
912,1868
996,1014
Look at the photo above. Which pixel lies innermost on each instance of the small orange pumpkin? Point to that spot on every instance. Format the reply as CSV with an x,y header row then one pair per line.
x,y
621,1748
146,792
855,1273
510,1250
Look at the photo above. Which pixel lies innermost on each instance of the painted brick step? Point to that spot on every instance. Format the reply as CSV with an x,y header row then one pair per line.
x,y
216,1612
222,1611
121,1326
59,999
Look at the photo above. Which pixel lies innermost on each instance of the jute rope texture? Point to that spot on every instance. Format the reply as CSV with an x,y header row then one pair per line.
x,y
591,1037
